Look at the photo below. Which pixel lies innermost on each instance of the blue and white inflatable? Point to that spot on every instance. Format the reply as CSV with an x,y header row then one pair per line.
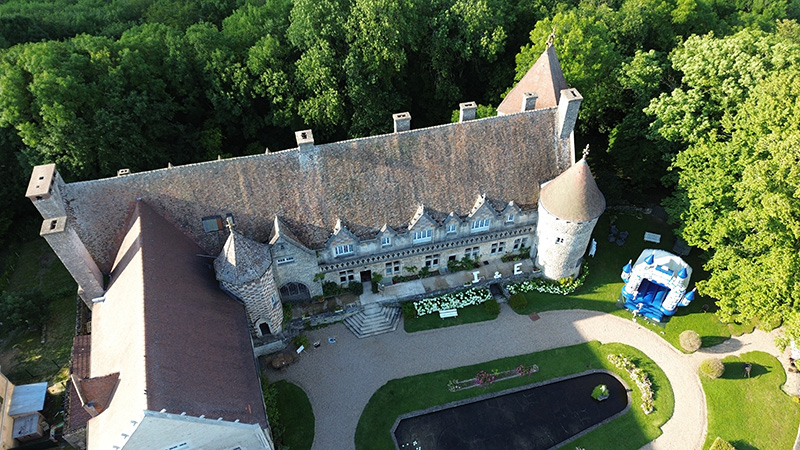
x,y
656,284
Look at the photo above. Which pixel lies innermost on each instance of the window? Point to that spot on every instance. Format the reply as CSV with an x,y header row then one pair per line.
x,y
452,258
431,260
510,218
346,276
451,228
392,268
422,236
494,248
480,225
212,224
386,241
498,247
284,260
473,252
345,249
517,243
559,240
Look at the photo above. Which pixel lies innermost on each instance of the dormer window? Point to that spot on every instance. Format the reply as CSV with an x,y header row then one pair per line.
x,y
451,228
480,225
285,260
422,236
212,224
341,250
386,241
510,218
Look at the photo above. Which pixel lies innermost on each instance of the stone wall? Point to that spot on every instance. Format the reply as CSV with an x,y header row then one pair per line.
x,y
561,245
258,298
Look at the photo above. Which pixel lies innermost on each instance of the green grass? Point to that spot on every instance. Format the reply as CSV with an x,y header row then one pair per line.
x,y
469,314
603,285
296,416
751,413
631,431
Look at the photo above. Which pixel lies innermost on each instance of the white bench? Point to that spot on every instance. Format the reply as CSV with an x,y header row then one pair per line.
x,y
652,237
445,313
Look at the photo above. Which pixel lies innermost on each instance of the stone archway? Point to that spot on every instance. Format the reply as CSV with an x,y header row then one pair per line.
x,y
295,292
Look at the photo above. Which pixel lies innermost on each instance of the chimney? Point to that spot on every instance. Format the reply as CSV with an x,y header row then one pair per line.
x,y
73,254
402,121
305,140
529,101
44,191
466,111
568,107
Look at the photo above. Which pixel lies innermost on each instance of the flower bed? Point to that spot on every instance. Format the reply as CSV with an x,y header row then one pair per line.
x,y
452,300
564,286
639,376
484,378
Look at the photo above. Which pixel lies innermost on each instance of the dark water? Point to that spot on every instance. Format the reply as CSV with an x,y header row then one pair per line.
x,y
535,418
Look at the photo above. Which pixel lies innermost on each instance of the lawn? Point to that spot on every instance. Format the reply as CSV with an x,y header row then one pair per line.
x,y
23,357
296,416
603,284
751,413
469,314
630,431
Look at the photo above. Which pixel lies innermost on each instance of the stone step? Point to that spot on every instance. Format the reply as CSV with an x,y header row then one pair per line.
x,y
373,320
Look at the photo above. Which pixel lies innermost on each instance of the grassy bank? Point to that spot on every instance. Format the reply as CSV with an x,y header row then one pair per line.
x,y
630,431
469,314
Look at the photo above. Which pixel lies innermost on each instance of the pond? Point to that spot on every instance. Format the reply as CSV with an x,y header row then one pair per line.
x,y
529,419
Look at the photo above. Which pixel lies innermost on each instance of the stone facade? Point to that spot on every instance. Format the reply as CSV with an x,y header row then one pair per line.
x,y
261,302
561,245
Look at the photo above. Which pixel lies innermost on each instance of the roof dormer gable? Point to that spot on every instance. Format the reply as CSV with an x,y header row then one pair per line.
x,y
482,208
452,218
511,208
281,233
386,230
341,234
421,219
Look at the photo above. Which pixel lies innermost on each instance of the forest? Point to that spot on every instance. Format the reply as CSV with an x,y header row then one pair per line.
x,y
689,103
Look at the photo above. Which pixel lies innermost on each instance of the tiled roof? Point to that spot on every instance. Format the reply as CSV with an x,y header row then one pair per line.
x,y
99,390
574,195
544,78
365,182
242,259
81,357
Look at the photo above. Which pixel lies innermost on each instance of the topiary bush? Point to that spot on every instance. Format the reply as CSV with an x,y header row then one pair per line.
x,y
712,368
409,310
721,444
690,341
492,307
518,301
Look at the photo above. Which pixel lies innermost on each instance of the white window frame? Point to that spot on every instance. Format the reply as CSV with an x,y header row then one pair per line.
x,y
344,249
392,268
452,228
494,248
423,236
501,247
510,218
284,260
346,276
386,241
432,260
481,225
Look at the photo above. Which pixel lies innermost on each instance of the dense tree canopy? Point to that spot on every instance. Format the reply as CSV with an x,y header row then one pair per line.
x,y
738,193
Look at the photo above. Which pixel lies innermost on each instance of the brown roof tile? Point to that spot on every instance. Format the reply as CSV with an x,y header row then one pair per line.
x,y
242,259
99,390
544,78
574,195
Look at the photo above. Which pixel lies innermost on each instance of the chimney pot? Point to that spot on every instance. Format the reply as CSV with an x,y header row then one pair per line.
x,y
402,121
467,111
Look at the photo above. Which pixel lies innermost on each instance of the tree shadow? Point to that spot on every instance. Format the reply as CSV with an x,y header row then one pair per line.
x,y
743,445
735,371
711,341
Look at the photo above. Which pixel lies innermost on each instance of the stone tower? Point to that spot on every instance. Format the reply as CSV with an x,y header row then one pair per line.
x,y
244,268
569,207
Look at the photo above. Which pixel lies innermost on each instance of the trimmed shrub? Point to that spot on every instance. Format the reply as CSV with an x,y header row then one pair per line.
x,y
301,340
517,301
690,341
355,288
409,311
721,444
712,368
492,308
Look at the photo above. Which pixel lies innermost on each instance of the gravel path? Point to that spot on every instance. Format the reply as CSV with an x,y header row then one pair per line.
x,y
340,377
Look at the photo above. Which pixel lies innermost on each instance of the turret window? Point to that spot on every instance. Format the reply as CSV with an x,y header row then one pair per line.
x,y
480,225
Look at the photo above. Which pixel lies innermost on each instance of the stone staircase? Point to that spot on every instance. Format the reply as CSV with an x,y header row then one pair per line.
x,y
373,320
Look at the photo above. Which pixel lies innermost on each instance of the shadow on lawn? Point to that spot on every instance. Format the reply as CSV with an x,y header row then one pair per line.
x,y
735,371
742,445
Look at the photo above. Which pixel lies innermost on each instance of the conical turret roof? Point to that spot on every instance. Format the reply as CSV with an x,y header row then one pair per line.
x,y
242,260
573,195
544,78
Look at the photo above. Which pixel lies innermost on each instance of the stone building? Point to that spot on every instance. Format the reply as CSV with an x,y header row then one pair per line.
x,y
279,225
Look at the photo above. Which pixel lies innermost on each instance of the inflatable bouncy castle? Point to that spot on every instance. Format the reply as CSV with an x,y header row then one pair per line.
x,y
656,284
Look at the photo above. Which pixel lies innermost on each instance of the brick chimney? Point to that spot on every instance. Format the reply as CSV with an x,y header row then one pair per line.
x,y
467,111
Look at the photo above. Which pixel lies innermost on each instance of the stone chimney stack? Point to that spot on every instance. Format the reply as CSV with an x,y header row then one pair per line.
x,y
70,250
529,101
305,143
44,191
402,121
568,107
467,111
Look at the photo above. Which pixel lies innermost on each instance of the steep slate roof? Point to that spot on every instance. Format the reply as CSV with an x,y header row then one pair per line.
x,y
198,355
366,182
544,78
242,259
574,195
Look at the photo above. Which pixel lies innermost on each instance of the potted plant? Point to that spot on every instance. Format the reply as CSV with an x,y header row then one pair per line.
x,y
600,392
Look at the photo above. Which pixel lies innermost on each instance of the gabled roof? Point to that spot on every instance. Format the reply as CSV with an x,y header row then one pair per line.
x,y
242,259
178,342
574,195
544,78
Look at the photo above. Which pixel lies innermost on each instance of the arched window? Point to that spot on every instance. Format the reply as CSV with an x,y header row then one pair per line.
x,y
295,292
